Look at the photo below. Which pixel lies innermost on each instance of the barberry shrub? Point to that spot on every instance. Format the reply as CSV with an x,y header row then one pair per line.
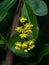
x,y
20,40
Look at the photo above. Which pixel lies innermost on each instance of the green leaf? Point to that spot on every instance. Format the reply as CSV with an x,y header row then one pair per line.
x,y
4,7
11,44
1,42
28,13
38,7
41,51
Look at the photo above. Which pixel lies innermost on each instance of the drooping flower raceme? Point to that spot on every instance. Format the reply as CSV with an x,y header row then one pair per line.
x,y
24,30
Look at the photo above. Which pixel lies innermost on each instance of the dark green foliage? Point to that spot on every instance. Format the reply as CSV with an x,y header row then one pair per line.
x,y
29,9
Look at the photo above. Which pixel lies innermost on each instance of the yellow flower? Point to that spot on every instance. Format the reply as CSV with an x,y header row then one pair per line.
x,y
23,35
32,46
28,49
25,50
29,31
18,45
23,31
19,29
17,48
25,45
30,42
22,19
28,26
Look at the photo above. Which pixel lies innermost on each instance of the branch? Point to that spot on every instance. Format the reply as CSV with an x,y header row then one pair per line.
x,y
9,56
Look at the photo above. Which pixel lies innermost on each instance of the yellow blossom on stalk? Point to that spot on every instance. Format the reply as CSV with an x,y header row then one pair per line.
x,y
30,42
17,48
32,46
18,45
28,26
23,31
23,35
26,50
19,29
28,31
22,19
25,45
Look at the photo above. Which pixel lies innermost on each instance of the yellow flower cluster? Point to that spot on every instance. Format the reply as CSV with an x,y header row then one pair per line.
x,y
27,45
25,29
